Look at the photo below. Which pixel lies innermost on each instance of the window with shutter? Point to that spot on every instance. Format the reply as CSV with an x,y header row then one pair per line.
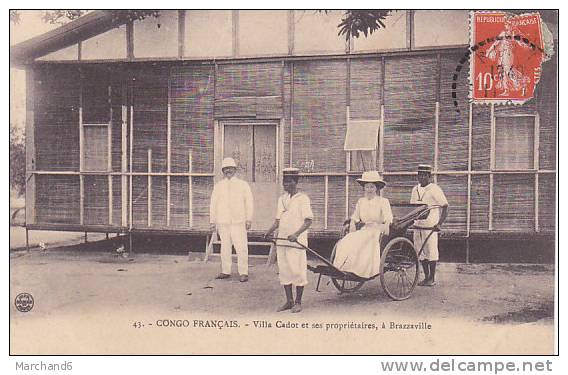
x,y
361,142
96,122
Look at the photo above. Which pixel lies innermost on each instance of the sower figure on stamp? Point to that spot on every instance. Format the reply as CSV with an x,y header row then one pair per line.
x,y
231,213
431,194
293,217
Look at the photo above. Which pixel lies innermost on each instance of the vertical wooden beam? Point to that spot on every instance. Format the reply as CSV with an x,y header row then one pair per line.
x,y
190,203
130,198
79,51
81,199
169,150
291,28
492,166
469,153
30,148
438,77
437,116
436,140
235,19
536,166
348,82
280,135
181,33
129,40
110,199
281,157
124,155
109,131
290,163
81,156
149,187
382,126
348,153
347,195
409,29
109,155
382,141
217,145
325,201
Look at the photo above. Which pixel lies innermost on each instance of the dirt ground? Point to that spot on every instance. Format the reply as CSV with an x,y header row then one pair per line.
x,y
97,302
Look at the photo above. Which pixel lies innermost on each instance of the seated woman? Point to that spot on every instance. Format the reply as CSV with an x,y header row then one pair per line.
x,y
358,252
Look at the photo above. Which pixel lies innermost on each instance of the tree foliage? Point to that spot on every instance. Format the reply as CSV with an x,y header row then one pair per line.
x,y
61,17
17,160
355,22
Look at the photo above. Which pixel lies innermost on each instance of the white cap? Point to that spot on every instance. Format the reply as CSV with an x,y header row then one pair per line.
x,y
228,162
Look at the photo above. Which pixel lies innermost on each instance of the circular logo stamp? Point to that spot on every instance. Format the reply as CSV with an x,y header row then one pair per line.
x,y
24,302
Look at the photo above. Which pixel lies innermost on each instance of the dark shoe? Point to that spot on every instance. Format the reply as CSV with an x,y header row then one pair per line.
x,y
244,278
430,283
223,276
286,306
297,308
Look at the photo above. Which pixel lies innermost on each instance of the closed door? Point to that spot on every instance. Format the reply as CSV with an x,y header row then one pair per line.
x,y
254,149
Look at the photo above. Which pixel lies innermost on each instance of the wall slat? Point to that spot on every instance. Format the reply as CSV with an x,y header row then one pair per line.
x,y
56,118
366,90
192,118
57,199
179,202
410,102
96,200
547,202
513,203
319,114
455,190
453,125
314,188
480,203
150,101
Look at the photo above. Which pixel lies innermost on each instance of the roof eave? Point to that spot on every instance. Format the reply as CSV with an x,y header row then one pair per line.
x,y
83,28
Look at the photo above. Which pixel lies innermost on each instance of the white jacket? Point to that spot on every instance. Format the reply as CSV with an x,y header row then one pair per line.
x,y
231,202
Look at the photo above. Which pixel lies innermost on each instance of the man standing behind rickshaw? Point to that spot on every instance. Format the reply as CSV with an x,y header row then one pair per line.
x,y
431,194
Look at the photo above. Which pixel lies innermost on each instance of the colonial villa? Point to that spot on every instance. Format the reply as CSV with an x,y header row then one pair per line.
x,y
127,122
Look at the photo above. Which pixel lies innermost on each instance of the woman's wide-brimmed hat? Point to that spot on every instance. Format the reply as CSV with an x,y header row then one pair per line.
x,y
371,177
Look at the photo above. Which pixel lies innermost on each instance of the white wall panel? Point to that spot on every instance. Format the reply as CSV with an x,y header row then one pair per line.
x,y
440,28
69,53
108,45
157,36
263,32
317,32
208,33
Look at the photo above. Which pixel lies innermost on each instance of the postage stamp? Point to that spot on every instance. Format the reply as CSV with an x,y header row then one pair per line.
x,y
508,52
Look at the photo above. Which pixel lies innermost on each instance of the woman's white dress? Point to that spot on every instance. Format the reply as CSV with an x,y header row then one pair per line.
x,y
358,252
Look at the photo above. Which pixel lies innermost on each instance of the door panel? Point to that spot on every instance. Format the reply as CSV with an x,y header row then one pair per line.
x,y
254,149
238,145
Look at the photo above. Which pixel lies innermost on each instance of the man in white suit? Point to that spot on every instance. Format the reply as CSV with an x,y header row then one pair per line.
x,y
231,213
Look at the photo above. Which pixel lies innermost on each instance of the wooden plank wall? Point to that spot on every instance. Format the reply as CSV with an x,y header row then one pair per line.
x,y
175,108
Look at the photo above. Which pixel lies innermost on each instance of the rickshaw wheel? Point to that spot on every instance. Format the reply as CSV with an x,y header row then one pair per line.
x,y
348,286
399,268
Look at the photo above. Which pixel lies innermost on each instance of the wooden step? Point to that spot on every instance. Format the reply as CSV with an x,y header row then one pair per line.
x,y
214,240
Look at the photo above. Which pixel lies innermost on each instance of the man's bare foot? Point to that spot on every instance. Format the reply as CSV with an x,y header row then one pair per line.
x,y
286,306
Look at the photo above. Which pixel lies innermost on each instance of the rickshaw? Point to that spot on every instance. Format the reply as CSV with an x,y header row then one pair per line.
x,y
399,268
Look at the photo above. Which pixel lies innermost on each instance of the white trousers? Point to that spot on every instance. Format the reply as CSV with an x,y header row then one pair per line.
x,y
430,251
292,266
233,234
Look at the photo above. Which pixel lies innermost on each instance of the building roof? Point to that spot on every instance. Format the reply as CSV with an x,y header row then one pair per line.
x,y
85,27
